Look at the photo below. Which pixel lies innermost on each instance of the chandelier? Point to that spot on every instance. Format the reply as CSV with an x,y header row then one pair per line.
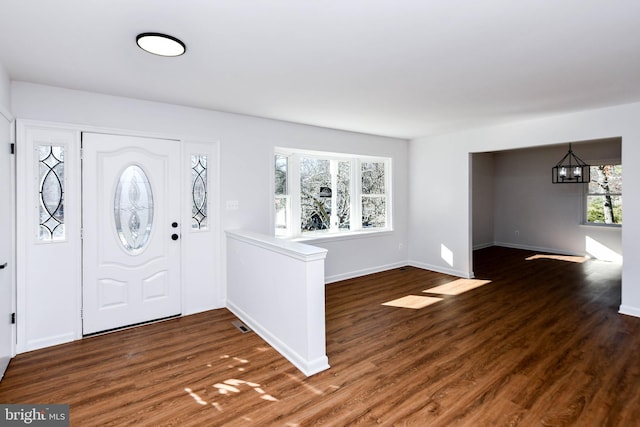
x,y
571,170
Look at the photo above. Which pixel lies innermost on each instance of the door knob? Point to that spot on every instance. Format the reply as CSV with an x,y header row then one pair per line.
x,y
174,236
3,266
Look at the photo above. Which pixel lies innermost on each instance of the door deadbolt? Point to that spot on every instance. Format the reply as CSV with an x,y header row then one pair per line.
x,y
174,224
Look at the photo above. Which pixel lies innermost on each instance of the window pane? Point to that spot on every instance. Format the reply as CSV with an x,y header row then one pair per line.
x,y
281,214
199,192
326,190
372,178
606,179
315,194
604,198
373,208
281,174
51,206
373,212
133,209
344,195
602,209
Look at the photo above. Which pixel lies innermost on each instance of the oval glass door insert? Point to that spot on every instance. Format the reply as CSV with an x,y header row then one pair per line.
x,y
133,209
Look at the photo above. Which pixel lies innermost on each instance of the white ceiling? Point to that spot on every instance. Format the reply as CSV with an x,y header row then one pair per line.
x,y
404,68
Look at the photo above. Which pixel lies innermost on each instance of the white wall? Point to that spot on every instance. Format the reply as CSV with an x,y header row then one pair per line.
x,y
5,90
483,199
7,275
533,213
277,288
440,214
246,160
48,296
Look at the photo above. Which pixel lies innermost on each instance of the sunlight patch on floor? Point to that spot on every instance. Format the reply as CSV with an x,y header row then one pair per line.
x,y
309,387
232,386
237,359
578,259
457,287
412,301
195,396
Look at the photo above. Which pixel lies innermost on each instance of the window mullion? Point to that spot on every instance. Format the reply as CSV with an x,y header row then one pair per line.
x,y
306,214
356,190
333,219
387,192
294,195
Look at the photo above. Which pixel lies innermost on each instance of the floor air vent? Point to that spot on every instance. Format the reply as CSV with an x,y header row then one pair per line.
x,y
243,328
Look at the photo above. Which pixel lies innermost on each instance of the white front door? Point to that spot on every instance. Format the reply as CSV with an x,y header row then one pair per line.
x,y
6,294
131,230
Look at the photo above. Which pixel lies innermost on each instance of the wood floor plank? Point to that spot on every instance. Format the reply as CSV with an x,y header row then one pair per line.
x,y
541,344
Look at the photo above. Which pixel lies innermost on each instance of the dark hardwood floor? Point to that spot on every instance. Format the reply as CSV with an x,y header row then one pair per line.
x,y
541,344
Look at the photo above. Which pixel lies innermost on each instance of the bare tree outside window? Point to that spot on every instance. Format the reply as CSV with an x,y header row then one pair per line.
x,y
344,195
281,174
604,196
315,207
321,193
281,194
373,195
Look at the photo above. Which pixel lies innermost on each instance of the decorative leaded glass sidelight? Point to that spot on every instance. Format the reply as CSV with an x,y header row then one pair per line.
x,y
51,203
133,209
199,192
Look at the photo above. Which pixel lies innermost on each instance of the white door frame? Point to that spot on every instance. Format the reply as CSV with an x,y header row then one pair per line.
x,y
202,287
47,272
8,269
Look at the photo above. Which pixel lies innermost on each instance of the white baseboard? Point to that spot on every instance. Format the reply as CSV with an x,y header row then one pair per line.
x,y
483,245
364,272
440,269
538,249
629,311
202,309
307,367
48,342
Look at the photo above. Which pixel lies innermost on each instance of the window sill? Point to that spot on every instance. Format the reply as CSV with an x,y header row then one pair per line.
x,y
601,225
346,235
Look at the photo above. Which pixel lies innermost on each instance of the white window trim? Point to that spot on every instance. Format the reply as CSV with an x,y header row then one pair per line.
x,y
585,195
293,192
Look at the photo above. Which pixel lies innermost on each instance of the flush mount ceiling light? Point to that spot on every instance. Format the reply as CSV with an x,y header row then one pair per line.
x,y
571,169
160,44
